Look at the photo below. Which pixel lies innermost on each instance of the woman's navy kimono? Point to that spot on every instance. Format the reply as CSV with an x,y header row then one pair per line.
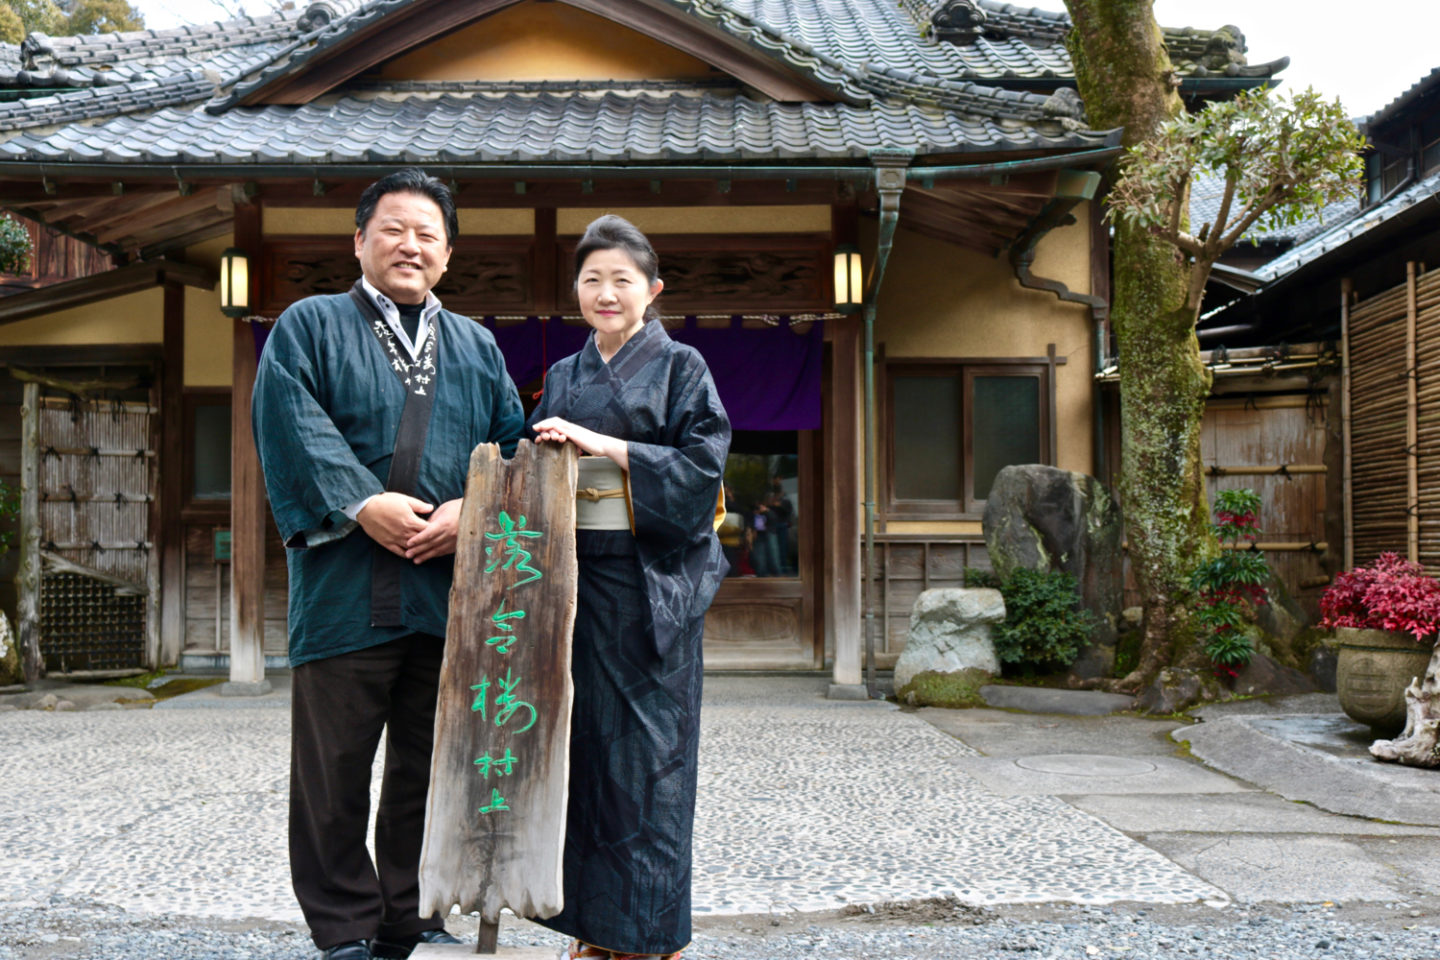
x,y
635,727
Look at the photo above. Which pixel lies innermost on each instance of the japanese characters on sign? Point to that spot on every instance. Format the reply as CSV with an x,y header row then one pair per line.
x,y
498,699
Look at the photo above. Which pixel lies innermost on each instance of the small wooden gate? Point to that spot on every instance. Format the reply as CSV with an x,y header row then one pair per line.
x,y
89,578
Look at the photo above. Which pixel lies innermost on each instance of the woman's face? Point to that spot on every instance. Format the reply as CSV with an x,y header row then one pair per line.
x,y
614,293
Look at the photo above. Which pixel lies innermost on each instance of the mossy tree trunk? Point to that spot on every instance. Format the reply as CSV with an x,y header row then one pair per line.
x,y
1126,79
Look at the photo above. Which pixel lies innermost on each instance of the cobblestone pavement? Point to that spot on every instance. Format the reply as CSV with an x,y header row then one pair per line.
x,y
805,805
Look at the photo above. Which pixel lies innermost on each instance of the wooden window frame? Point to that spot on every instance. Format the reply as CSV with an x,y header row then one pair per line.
x,y
193,509
965,506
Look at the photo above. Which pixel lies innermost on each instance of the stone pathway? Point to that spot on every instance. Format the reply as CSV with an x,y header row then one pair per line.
x,y
805,804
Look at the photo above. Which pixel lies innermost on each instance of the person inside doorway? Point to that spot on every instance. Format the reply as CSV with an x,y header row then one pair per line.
x,y
366,408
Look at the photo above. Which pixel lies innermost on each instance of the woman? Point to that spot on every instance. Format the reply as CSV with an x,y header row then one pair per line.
x,y
646,409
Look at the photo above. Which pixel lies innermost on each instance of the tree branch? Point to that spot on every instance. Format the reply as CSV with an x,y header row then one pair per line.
x,y
1217,230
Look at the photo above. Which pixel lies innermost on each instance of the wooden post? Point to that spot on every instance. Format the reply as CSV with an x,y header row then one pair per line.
x,y
843,505
1412,425
1347,292
27,581
247,491
495,814
170,537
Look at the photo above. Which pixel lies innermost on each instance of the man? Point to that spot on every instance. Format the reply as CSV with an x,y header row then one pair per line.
x,y
366,408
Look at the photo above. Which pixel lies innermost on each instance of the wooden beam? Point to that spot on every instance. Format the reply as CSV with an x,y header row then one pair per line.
x,y
545,281
209,231
1412,412
27,581
247,485
172,479
102,286
159,215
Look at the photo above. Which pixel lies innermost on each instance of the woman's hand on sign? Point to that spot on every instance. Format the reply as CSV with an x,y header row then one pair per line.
x,y
558,430
438,537
392,519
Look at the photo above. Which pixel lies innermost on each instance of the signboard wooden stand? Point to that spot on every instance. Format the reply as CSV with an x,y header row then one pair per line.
x,y
495,816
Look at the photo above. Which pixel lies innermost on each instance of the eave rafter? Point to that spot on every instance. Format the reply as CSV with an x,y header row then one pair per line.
x,y
143,220
427,20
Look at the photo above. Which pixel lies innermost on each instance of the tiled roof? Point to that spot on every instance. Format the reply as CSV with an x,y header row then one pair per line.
x,y
1206,193
540,127
1424,85
1426,190
165,95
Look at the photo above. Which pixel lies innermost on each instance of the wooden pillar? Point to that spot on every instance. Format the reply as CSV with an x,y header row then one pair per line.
x,y
247,489
1412,418
1347,496
27,581
842,495
171,535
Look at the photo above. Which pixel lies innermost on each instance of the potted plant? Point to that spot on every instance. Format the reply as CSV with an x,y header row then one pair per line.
x,y
1385,617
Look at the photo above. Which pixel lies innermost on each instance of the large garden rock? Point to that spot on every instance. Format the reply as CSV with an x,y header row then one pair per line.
x,y
1044,518
12,668
1172,691
950,631
1263,675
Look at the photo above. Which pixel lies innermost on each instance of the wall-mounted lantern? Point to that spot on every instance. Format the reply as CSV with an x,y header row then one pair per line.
x,y
234,283
849,280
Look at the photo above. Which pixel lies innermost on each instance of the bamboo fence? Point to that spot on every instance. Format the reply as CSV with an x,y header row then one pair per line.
x,y
1393,433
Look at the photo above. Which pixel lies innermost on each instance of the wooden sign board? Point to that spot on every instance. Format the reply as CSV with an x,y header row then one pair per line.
x,y
495,816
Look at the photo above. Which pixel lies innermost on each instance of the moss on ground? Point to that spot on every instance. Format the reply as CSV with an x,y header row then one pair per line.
x,y
956,690
178,684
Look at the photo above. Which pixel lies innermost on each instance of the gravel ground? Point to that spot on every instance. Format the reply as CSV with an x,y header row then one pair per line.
x,y
922,931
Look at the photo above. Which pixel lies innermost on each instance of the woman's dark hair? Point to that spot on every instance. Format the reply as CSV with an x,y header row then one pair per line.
x,y
410,180
616,233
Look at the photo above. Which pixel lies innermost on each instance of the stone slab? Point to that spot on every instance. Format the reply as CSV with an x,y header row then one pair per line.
x,y
215,698
1296,758
1074,703
83,695
439,951
1299,869
1005,733
847,691
1254,812
1092,774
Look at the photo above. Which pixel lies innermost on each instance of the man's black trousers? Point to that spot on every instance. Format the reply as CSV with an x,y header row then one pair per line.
x,y
339,707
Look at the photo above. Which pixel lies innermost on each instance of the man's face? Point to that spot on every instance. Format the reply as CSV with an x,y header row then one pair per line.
x,y
403,250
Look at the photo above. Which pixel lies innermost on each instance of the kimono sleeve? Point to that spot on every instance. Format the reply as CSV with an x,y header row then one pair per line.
x,y
675,486
311,473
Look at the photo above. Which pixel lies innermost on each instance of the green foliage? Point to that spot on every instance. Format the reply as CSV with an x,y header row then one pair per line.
x,y
1127,651
9,510
1229,587
976,577
14,245
1281,159
1043,628
931,688
69,18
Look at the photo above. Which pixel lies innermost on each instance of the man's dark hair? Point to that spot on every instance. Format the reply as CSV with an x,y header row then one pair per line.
x,y
616,233
410,180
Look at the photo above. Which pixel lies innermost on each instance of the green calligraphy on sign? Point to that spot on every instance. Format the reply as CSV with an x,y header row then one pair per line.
x,y
509,703
515,556
502,643
496,803
502,766
484,688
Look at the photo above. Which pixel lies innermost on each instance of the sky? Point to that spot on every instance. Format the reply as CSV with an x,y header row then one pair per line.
x,y
1365,62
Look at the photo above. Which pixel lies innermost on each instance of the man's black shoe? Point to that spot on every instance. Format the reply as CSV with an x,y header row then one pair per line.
x,y
349,950
400,949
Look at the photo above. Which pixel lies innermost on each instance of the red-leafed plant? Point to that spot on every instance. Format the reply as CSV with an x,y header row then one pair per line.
x,y
1389,594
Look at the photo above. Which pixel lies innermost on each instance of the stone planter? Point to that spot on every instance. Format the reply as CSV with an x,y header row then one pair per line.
x,y
1372,672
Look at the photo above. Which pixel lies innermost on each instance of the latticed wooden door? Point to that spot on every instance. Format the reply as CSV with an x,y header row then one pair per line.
x,y
89,586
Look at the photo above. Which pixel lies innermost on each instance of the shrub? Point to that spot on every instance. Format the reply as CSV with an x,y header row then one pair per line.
x,y
976,577
1043,628
1230,586
1389,594
14,245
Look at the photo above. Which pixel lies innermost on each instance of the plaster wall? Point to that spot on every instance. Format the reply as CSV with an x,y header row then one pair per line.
x,y
545,41
209,345
944,301
133,318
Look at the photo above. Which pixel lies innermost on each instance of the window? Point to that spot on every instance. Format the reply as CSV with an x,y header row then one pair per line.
x,y
951,427
1430,145
207,447
761,530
